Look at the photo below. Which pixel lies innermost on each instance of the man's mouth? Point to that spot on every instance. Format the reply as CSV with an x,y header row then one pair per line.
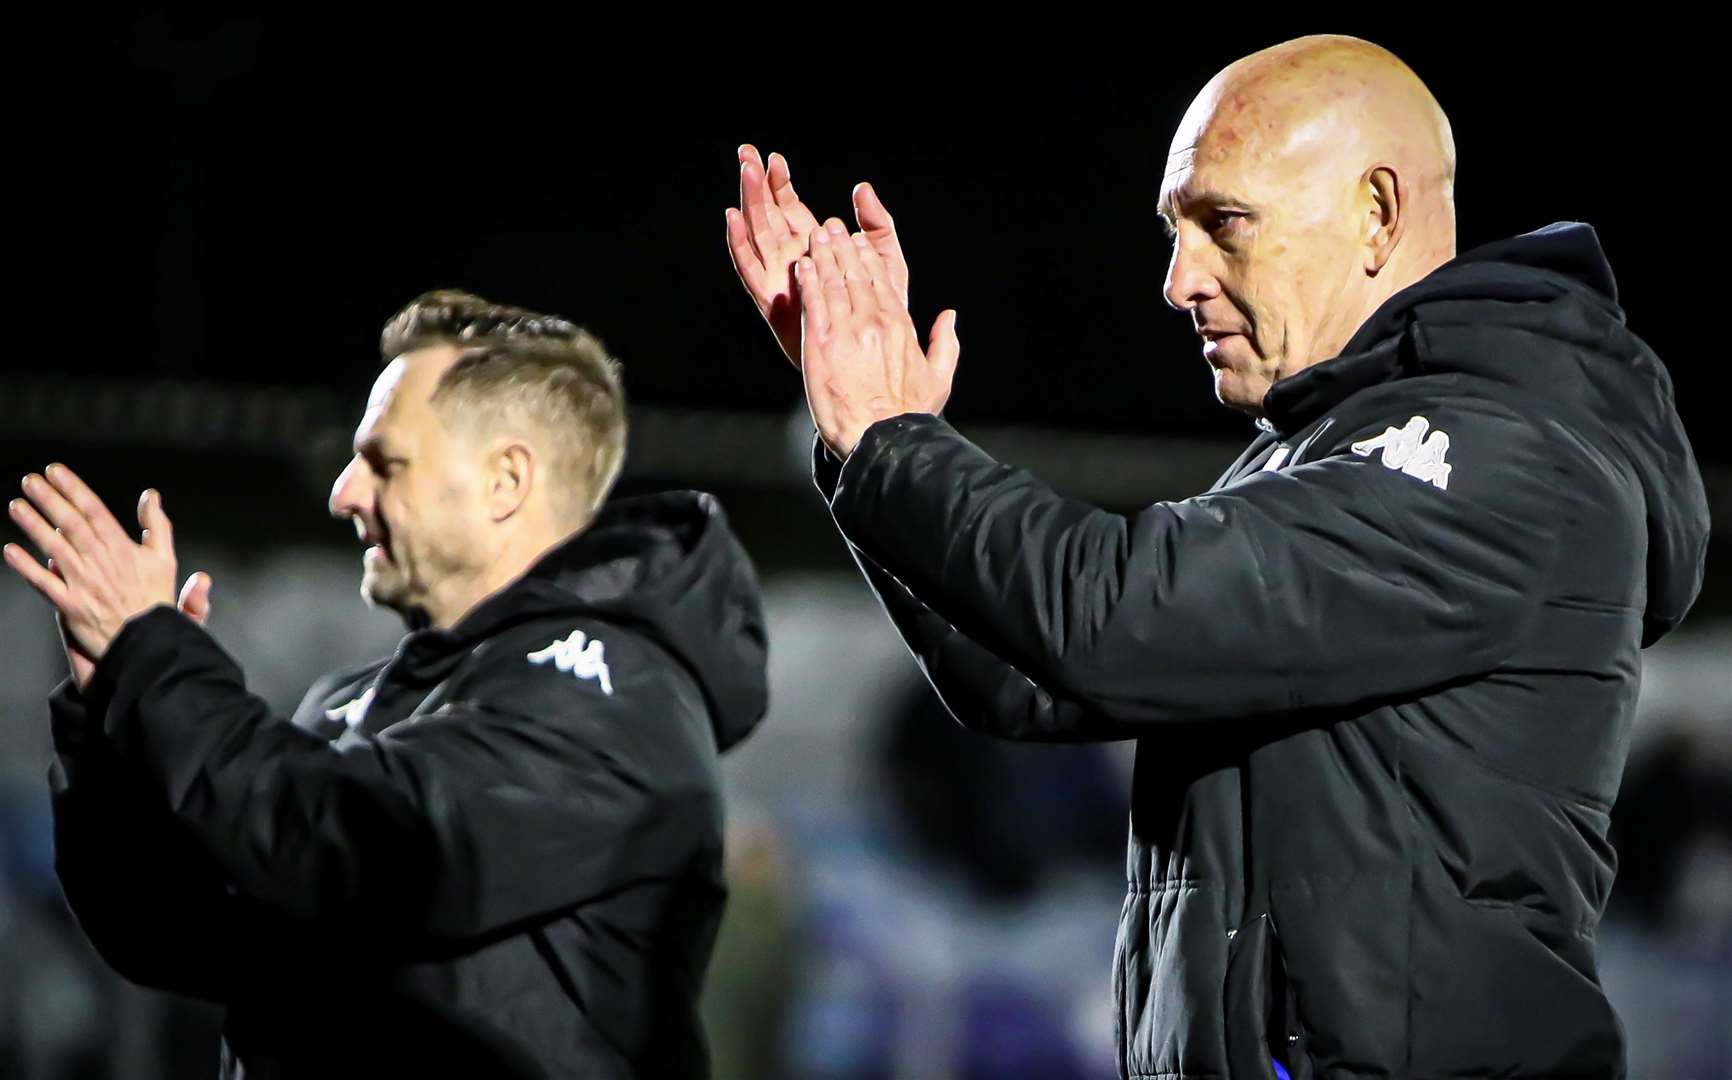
x,y
1212,341
377,542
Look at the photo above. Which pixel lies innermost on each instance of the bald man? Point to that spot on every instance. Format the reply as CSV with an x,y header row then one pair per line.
x,y
1382,674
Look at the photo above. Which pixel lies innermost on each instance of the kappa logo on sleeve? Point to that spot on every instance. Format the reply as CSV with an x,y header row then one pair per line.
x,y
1416,449
579,654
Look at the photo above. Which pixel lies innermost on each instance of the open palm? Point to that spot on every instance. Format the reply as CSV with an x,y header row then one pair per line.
x,y
772,229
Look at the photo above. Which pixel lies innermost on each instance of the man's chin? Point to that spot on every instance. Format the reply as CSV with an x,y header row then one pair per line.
x,y
381,592
395,600
1240,392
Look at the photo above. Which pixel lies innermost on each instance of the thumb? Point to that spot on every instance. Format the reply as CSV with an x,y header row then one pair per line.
x,y
869,211
944,347
158,531
195,597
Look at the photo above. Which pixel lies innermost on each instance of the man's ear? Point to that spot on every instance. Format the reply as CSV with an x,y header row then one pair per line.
x,y
511,476
1385,217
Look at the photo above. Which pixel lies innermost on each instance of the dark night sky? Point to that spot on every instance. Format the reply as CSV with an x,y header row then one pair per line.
x,y
265,193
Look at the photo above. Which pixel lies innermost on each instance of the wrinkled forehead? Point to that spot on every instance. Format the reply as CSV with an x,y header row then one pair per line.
x,y
1180,175
1197,174
1247,145
1207,142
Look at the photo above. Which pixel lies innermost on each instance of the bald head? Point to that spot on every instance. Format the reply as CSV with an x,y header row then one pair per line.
x,y
1335,105
1306,184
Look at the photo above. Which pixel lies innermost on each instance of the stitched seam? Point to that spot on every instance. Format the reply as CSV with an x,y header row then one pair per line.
x,y
1583,929
1403,733
1527,785
1598,607
1142,888
1265,594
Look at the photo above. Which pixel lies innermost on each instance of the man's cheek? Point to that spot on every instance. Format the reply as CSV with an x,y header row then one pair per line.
x,y
1254,309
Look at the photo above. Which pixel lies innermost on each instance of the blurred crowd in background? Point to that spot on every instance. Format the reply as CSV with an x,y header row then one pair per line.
x,y
909,899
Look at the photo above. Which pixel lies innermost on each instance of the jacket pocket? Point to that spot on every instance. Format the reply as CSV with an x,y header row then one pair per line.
x,y
1259,1010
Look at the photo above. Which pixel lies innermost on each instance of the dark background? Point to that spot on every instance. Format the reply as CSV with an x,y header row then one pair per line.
x,y
263,193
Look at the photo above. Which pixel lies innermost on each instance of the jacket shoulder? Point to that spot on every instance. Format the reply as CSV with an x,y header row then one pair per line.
x,y
335,689
579,669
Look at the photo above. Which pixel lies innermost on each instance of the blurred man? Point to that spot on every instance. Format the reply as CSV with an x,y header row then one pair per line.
x,y
1382,675
495,853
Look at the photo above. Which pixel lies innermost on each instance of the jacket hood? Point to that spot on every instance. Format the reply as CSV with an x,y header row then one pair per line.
x,y
1556,287
669,567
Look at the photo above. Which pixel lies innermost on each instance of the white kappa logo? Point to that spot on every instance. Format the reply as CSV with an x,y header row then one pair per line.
x,y
579,654
1411,450
352,712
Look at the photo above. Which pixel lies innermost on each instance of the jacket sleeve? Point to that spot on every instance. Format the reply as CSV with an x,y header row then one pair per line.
x,y
983,692
151,902
535,791
1324,584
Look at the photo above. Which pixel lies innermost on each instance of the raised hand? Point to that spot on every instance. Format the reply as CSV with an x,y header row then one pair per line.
x,y
97,577
861,358
772,229
767,234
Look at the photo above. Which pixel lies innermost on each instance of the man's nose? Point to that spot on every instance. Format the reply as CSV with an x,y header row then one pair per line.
x,y
1190,278
349,495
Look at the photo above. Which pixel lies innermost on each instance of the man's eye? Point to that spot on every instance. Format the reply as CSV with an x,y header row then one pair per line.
x,y
1224,221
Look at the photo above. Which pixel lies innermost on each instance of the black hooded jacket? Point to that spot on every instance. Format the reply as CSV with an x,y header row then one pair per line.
x,y
496,853
1382,675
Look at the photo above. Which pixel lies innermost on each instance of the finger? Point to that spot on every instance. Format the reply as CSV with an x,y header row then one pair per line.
x,y
870,212
50,541
746,261
854,274
752,206
748,152
801,221
779,224
102,523
194,600
832,286
876,223
814,337
768,228
57,512
814,312
54,590
944,348
878,270
158,530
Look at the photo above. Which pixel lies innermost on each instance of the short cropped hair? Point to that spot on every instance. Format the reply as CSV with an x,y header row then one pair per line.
x,y
517,365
